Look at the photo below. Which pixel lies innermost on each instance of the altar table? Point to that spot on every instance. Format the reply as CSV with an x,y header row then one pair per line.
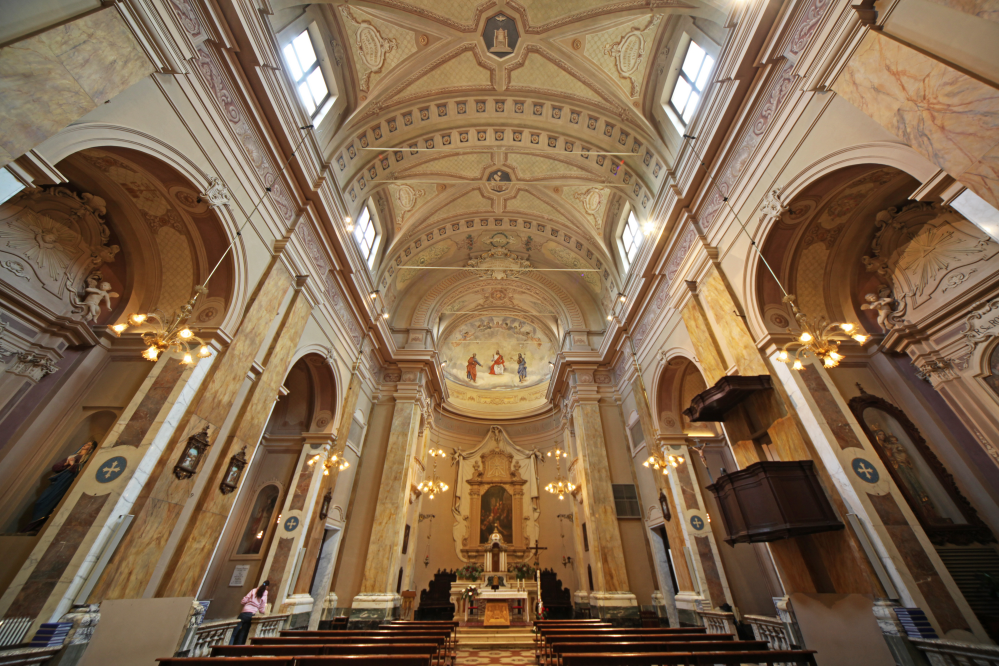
x,y
498,605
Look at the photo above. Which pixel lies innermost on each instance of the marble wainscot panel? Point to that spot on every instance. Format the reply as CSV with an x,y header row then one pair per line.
x,y
52,79
205,528
164,497
619,608
945,115
739,343
370,610
76,535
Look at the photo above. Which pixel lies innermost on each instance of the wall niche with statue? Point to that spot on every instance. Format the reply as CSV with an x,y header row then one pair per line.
x,y
944,513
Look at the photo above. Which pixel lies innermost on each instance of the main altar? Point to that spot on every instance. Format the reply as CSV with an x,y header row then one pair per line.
x,y
496,510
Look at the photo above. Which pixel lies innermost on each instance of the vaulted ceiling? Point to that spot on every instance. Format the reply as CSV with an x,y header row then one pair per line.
x,y
525,126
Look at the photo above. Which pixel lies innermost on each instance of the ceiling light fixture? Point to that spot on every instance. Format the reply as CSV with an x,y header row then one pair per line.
x,y
819,337
662,461
435,486
330,458
170,333
561,486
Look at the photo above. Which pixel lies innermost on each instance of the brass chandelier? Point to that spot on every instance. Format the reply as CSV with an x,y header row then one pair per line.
x,y
661,461
561,485
330,459
170,333
819,338
435,486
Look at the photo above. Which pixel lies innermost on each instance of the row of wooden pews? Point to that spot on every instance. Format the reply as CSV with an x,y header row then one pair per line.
x,y
395,643
597,643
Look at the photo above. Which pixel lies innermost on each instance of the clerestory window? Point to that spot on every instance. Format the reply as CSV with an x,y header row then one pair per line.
x,y
631,238
365,235
300,54
690,84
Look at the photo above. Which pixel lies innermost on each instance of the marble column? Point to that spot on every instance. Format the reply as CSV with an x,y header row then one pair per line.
x,y
378,600
908,557
299,512
106,489
164,497
611,598
317,528
204,528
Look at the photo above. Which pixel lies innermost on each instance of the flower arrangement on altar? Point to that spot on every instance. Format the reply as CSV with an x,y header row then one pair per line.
x,y
522,570
469,593
470,572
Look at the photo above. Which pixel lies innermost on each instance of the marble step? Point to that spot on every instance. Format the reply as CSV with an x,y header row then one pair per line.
x,y
478,638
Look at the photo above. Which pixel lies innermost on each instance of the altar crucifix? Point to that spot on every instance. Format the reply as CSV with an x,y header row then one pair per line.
x,y
537,555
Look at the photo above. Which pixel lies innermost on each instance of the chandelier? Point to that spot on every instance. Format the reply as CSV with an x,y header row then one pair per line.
x,y
330,459
661,461
561,485
434,486
819,338
169,333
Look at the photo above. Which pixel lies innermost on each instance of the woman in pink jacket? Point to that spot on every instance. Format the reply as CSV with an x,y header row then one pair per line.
x,y
254,602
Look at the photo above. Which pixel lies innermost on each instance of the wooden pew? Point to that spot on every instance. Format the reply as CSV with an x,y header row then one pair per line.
x,y
347,638
359,660
662,636
429,650
561,649
587,633
442,633
768,657
427,624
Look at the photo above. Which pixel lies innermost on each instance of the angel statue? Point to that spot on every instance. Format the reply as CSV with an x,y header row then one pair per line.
x,y
883,304
97,292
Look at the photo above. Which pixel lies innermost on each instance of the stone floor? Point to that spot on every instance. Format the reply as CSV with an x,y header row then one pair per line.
x,y
483,657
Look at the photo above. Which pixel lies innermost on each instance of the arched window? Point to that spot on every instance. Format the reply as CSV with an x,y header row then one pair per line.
x,y
259,521
366,235
631,238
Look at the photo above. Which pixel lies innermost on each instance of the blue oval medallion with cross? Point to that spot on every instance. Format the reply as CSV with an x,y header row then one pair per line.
x,y
697,523
291,524
111,469
865,470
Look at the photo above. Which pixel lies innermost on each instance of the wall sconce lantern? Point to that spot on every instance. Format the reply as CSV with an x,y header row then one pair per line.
x,y
325,509
195,448
233,471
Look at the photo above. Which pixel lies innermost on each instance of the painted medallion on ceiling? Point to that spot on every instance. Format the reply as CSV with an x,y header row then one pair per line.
x,y
501,35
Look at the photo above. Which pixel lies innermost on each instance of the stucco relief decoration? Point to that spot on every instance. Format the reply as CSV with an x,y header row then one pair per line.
x,y
58,239
499,263
772,209
628,53
592,200
919,249
217,193
371,47
983,324
407,196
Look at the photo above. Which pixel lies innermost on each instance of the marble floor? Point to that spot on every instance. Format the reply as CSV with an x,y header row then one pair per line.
x,y
481,657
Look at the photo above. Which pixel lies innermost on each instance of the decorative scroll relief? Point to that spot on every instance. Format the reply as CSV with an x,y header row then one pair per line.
x,y
926,252
593,201
55,241
629,52
406,198
371,48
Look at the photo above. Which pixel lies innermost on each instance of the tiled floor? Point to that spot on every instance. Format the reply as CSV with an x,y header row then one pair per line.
x,y
484,657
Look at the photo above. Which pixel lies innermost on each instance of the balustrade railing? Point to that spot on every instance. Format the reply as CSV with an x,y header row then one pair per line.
x,y
718,622
268,625
769,629
210,634
952,653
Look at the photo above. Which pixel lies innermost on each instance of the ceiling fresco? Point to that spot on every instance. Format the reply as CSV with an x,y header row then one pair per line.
x,y
502,144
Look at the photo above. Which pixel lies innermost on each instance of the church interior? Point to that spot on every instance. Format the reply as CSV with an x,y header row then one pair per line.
x,y
563,332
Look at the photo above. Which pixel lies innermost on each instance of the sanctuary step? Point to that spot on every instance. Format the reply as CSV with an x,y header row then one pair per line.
x,y
493,638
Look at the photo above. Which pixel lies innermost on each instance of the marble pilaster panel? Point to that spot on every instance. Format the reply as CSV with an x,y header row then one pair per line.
x,y
162,500
905,552
693,518
712,365
606,549
314,537
721,307
116,475
205,526
51,79
390,515
945,115
983,9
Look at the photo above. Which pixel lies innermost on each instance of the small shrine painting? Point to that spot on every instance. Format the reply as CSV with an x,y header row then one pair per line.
x,y
496,513
501,35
